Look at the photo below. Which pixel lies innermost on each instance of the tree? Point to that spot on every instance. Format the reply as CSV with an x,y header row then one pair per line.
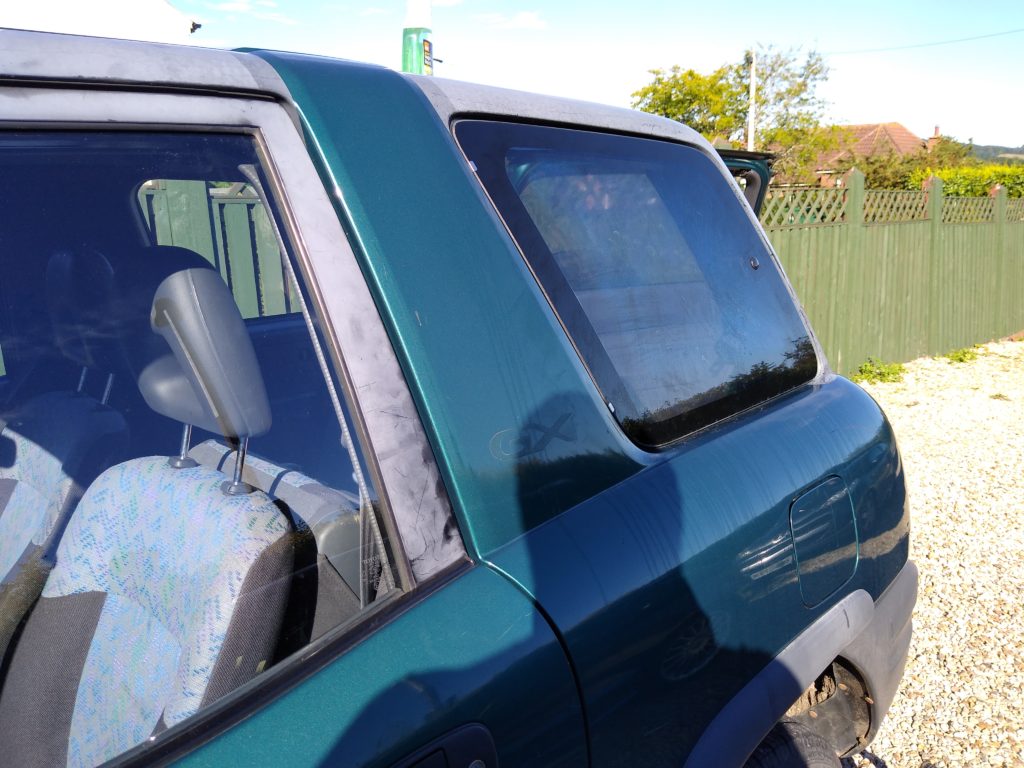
x,y
893,171
789,109
713,105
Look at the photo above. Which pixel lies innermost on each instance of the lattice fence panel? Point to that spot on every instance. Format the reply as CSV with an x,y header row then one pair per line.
x,y
968,210
803,207
886,205
1015,210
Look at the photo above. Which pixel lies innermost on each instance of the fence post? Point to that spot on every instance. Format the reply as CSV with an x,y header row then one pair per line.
x,y
855,197
857,331
937,319
1003,305
998,192
935,197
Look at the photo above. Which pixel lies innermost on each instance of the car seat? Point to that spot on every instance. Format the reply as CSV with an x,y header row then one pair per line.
x,y
55,444
171,578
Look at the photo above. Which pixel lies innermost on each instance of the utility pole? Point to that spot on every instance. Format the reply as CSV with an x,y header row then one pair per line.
x,y
752,109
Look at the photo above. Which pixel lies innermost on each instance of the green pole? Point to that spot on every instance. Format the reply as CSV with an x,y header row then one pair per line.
x,y
417,48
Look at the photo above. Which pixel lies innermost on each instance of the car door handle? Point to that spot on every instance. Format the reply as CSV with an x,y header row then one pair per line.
x,y
469,746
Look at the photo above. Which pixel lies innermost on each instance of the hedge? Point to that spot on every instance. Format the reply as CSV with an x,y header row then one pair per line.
x,y
973,181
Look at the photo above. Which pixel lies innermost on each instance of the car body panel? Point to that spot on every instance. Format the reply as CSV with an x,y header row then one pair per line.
x,y
687,570
450,283
755,168
474,651
628,552
618,600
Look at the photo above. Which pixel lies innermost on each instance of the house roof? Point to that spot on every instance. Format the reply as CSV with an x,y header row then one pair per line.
x,y
875,139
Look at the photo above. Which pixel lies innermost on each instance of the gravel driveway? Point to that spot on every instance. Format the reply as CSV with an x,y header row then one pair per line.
x,y
960,428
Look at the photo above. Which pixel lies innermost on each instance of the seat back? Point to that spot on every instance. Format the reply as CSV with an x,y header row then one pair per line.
x,y
55,444
341,558
170,584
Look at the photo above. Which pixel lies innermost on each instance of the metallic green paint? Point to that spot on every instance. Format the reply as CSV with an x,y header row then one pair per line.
x,y
673,589
490,367
434,668
670,577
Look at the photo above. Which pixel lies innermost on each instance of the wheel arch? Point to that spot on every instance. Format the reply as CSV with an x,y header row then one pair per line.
x,y
742,724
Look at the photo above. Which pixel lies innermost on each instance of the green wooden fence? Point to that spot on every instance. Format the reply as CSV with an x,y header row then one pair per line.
x,y
885,274
895,275
228,225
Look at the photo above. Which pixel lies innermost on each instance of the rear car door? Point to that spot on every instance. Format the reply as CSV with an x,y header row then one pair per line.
x,y
393,647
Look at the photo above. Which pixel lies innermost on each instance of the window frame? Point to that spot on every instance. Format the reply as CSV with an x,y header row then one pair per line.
x,y
414,506
577,327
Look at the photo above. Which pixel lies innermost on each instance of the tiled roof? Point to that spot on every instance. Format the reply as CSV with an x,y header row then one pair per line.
x,y
875,139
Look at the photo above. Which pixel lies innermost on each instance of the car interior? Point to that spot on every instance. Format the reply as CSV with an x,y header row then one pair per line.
x,y
178,509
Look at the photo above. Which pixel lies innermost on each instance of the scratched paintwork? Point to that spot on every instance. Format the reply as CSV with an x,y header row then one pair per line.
x,y
670,579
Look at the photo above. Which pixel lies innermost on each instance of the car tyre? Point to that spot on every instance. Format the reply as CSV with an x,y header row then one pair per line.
x,y
791,745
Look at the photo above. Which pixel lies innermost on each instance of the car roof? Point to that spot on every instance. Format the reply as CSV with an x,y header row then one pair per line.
x,y
452,98
77,60
47,57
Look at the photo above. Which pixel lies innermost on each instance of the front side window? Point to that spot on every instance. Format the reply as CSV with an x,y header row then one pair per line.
x,y
227,223
661,281
181,502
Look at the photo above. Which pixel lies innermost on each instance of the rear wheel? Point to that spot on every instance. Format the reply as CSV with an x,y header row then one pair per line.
x,y
791,745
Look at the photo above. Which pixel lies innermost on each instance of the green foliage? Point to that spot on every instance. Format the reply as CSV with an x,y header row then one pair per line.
x,y
965,355
893,171
788,108
873,371
789,111
714,104
972,181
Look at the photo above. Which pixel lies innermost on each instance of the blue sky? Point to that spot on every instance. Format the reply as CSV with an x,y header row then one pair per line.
x,y
602,50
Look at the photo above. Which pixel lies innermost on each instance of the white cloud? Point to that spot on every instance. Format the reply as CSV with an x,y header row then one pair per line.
x,y
446,3
374,12
520,20
152,20
252,8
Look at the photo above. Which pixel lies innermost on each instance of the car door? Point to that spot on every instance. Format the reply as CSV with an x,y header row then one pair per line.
x,y
442,661
752,171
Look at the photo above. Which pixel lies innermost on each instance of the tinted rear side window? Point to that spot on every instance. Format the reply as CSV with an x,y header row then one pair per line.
x,y
648,258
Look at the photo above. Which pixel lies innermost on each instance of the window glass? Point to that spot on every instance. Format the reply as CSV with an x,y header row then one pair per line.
x,y
154,339
652,265
227,224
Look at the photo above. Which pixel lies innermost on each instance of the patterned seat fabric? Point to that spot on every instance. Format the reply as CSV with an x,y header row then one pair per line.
x,y
350,558
158,605
170,580
55,446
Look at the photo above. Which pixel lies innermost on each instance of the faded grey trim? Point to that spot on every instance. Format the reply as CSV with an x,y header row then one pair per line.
x,y
399,456
747,718
77,60
452,99
879,654
873,636
429,533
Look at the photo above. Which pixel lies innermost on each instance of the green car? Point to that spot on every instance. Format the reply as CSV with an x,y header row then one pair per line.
x,y
350,418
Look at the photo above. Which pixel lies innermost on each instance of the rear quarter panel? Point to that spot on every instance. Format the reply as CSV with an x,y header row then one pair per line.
x,y
676,586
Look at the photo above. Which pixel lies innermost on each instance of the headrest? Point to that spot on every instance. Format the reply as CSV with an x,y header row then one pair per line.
x,y
138,274
211,379
79,294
